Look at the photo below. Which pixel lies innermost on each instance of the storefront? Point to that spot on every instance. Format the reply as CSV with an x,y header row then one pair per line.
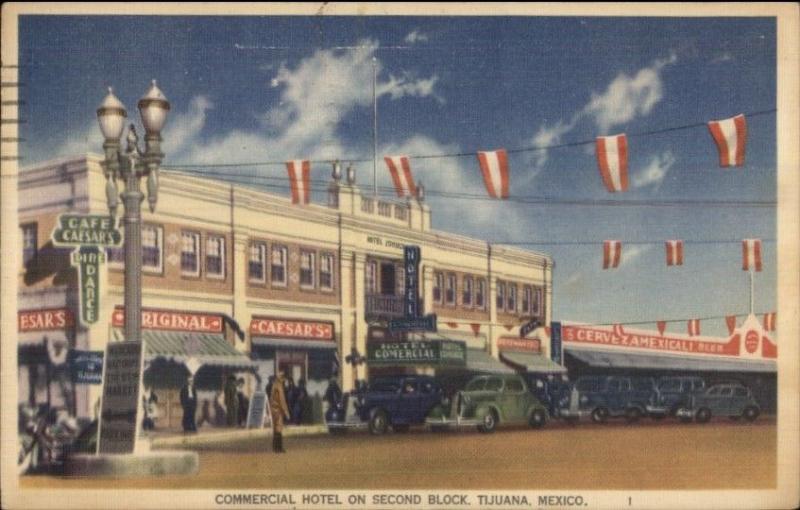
x,y
305,350
525,355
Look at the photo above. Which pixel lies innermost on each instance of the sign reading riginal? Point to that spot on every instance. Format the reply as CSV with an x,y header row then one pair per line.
x,y
121,381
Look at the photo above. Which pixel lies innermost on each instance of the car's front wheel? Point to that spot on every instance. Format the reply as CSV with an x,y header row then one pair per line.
x,y
600,415
378,423
751,413
488,423
538,419
703,415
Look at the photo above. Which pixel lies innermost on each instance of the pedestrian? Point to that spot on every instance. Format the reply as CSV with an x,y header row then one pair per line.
x,y
270,383
231,402
149,401
189,404
279,410
290,392
333,393
242,401
299,402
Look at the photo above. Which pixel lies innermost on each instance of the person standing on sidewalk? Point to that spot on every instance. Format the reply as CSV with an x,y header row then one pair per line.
x,y
189,404
231,402
279,410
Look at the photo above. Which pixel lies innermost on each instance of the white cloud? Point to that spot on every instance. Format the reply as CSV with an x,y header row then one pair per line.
x,y
182,131
632,252
88,139
547,136
407,85
416,36
655,171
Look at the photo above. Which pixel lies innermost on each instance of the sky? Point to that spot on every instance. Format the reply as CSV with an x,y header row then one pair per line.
x,y
269,89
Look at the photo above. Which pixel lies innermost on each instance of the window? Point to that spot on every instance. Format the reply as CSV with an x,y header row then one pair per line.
x,y
371,277
739,392
494,384
215,256
366,205
514,386
257,265
438,283
115,256
726,391
326,271
385,209
476,384
190,251
450,291
400,212
512,298
536,305
480,292
466,298
307,269
29,242
278,265
152,247
501,295
526,300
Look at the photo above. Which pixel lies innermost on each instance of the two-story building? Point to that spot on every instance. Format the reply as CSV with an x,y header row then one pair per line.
x,y
238,279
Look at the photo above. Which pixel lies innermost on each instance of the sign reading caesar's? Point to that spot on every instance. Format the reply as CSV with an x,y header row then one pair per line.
x,y
123,364
443,352
87,233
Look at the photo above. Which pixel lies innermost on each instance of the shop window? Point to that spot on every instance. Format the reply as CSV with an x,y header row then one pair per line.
x,y
466,298
278,265
438,283
215,256
536,306
29,242
501,296
450,290
190,253
371,277
307,269
512,298
257,266
480,293
152,248
526,300
326,271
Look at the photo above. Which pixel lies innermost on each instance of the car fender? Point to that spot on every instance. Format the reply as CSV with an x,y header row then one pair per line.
x,y
376,409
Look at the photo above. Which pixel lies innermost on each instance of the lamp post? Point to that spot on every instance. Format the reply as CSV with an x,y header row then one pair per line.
x,y
130,166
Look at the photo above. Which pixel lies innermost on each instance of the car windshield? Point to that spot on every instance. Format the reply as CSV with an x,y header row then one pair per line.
x,y
590,384
476,384
670,385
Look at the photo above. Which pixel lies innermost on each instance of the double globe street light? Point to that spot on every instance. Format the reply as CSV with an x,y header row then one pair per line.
x,y
129,166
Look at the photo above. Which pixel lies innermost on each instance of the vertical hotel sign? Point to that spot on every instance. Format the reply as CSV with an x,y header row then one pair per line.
x,y
87,234
411,261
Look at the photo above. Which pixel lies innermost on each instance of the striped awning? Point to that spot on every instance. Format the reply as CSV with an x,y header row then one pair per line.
x,y
608,359
531,362
180,346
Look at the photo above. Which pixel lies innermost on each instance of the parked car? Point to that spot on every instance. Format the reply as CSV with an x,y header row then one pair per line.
x,y
397,402
672,393
730,399
488,401
601,397
552,392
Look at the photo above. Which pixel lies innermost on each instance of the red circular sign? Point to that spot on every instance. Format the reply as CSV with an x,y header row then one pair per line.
x,y
751,341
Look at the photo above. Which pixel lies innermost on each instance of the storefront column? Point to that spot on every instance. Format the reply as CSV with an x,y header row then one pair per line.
x,y
240,312
427,289
359,322
347,318
493,316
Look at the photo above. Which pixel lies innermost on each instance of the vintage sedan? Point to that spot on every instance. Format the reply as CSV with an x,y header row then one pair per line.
x,y
731,399
601,397
672,393
397,402
488,401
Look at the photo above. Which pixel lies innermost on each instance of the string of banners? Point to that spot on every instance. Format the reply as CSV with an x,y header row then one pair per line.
x,y
611,152
768,321
751,253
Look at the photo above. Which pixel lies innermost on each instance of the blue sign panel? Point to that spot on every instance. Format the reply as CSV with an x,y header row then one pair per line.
x,y
555,342
528,327
426,323
411,256
86,366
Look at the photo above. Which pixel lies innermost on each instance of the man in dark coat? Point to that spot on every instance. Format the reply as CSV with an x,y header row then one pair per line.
x,y
243,401
189,404
231,402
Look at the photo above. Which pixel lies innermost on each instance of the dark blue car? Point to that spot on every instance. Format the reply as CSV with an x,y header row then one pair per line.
x,y
397,402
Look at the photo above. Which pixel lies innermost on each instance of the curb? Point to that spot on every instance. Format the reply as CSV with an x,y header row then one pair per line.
x,y
233,435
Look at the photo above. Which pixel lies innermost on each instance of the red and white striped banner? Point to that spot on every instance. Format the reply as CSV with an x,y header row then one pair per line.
x,y
694,327
674,252
300,180
612,252
730,135
494,168
730,321
400,169
612,158
769,321
751,254
618,331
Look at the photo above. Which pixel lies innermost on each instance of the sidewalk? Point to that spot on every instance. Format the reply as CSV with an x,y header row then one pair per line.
x,y
205,436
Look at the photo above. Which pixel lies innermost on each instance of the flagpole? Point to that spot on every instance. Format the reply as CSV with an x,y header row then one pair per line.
x,y
374,128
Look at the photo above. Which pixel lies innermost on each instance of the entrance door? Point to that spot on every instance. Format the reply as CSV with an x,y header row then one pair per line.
x,y
293,364
387,279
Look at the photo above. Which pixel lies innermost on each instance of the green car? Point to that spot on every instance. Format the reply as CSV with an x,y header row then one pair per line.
x,y
488,401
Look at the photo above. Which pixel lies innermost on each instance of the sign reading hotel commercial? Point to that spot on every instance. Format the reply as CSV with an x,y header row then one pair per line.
x,y
440,352
606,337
555,342
258,414
411,256
172,320
289,328
86,367
121,380
88,234
51,319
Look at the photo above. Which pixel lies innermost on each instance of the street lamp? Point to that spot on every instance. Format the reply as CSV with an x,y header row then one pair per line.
x,y
129,166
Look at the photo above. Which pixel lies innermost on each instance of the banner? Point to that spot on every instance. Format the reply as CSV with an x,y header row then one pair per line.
x,y
640,340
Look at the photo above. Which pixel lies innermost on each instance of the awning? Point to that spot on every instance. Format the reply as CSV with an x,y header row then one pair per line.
x,y
292,343
181,346
482,361
610,359
531,362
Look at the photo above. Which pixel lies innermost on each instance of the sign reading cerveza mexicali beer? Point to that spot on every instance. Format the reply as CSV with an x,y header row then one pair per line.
x,y
88,233
418,352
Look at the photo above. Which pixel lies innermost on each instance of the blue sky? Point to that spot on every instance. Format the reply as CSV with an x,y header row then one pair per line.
x,y
276,88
